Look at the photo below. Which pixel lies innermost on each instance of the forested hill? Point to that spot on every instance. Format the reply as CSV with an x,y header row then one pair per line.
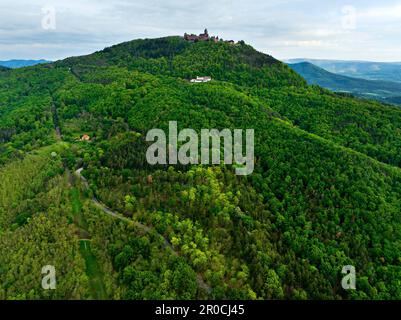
x,y
326,191
339,118
172,56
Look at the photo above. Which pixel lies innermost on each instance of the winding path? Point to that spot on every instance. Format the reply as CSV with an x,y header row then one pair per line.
x,y
199,279
202,284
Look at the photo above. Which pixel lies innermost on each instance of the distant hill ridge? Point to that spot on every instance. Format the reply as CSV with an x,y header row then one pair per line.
x,y
14,64
386,91
240,64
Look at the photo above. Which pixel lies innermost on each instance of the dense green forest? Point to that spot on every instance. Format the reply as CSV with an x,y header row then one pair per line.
x,y
385,91
325,193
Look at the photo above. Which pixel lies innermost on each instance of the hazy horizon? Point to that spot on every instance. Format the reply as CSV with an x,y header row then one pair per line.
x,y
283,60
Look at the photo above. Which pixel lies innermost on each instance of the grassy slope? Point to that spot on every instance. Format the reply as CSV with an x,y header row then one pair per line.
x,y
92,268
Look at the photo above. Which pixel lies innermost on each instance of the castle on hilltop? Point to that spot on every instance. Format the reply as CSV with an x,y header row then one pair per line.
x,y
194,38
203,37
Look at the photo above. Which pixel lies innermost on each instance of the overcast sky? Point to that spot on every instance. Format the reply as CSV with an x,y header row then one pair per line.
x,y
332,29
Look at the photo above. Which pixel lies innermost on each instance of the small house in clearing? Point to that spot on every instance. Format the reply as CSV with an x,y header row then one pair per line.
x,y
85,137
201,79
